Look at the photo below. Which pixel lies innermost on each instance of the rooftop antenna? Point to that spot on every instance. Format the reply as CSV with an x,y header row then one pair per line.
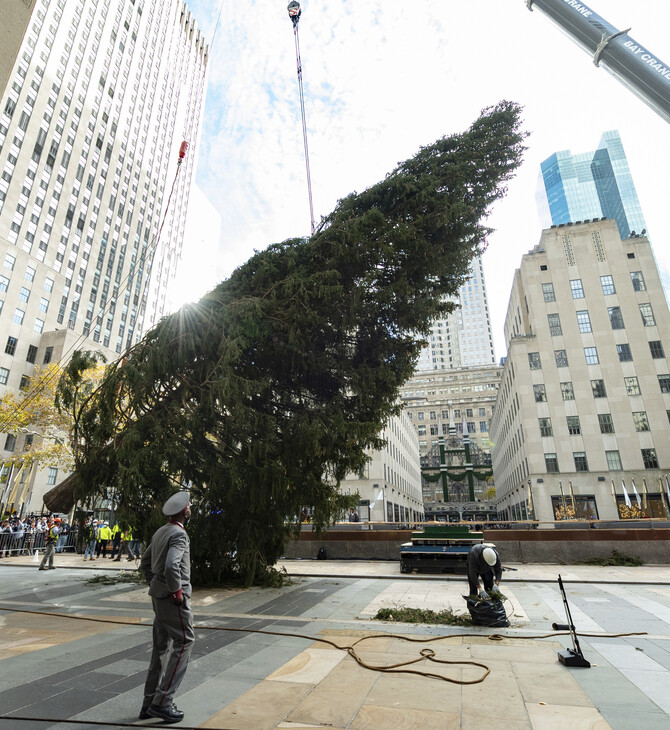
x,y
294,13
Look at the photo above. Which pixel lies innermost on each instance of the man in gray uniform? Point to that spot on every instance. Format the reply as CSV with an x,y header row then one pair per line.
x,y
166,565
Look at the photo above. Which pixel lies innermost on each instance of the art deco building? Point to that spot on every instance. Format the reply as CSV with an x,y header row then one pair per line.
x,y
584,404
98,99
432,399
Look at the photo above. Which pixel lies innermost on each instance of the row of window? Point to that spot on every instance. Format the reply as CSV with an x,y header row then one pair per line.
x,y
614,314
598,388
432,415
434,430
591,355
640,421
606,282
649,459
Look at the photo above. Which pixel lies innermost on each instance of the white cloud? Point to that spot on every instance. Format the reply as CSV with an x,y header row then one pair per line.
x,y
383,78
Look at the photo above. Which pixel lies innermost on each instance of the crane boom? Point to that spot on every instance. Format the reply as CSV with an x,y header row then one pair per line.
x,y
627,60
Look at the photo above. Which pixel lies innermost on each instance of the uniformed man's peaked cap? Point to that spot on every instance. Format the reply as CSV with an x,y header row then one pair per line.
x,y
177,503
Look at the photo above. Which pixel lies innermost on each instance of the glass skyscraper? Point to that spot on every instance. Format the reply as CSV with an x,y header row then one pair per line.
x,y
590,185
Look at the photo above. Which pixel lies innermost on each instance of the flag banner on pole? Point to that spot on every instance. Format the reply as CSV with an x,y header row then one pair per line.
x,y
380,497
625,495
637,496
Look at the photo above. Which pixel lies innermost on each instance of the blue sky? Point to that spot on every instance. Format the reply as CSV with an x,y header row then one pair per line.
x,y
383,78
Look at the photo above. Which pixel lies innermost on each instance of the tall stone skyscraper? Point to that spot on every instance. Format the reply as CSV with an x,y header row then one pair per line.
x,y
590,185
464,338
98,97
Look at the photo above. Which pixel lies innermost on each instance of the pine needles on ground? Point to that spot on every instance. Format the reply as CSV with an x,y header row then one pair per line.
x,y
615,558
401,614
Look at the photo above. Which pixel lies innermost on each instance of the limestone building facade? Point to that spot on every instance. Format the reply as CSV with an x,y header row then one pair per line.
x,y
583,408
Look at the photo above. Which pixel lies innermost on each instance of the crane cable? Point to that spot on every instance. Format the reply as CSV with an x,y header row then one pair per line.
x,y
294,14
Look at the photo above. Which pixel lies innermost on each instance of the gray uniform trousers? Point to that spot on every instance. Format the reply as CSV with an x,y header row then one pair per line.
x,y
172,635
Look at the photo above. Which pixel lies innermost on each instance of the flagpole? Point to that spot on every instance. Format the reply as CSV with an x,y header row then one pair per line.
x,y
616,506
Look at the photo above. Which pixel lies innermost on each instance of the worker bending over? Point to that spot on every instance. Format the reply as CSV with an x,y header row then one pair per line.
x,y
483,562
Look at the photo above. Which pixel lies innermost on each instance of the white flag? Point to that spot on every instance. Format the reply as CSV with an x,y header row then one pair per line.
x,y
667,489
637,496
625,495
380,497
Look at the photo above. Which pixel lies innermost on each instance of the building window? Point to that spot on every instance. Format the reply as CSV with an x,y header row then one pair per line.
x,y
598,388
567,391
584,321
574,427
433,430
4,374
4,283
607,283
554,325
39,325
581,507
613,460
44,304
649,459
540,393
548,293
647,315
482,412
534,361
48,284
606,423
30,273
632,386
545,427
561,358
625,355
581,464
577,289
591,355
422,430
48,354
10,261
483,426
664,383
51,475
25,382
10,347
638,281
656,348
640,420
616,318
32,354
19,314
24,294
10,442
551,463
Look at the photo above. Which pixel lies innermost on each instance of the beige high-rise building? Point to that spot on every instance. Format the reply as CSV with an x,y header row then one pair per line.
x,y
97,101
584,404
390,484
432,399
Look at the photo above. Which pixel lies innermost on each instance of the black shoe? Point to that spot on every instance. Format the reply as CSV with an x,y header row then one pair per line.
x,y
168,713
144,712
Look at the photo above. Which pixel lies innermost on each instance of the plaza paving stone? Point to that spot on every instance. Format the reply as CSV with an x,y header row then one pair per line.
x,y
65,668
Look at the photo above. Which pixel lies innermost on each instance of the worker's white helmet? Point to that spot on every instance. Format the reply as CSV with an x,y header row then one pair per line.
x,y
490,556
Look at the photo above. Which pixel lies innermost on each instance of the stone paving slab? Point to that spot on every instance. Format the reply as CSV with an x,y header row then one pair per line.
x,y
240,680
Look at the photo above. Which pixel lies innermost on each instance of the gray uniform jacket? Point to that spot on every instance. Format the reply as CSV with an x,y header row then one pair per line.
x,y
166,563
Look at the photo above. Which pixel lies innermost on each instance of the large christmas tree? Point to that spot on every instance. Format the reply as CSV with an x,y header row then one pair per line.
x,y
269,390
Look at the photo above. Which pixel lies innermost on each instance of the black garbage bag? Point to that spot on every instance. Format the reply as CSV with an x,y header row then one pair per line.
x,y
487,613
